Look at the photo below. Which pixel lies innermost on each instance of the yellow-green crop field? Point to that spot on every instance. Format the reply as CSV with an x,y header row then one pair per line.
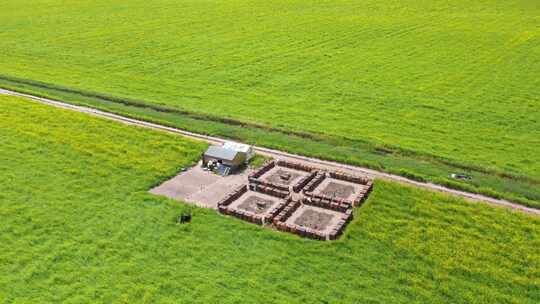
x,y
418,88
77,225
438,86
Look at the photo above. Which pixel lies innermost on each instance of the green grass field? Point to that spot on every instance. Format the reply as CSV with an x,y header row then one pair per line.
x,y
447,86
78,226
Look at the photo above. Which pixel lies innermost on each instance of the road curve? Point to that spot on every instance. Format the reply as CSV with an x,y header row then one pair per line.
x,y
284,155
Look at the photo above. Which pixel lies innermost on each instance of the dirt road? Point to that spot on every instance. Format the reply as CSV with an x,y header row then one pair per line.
x,y
284,155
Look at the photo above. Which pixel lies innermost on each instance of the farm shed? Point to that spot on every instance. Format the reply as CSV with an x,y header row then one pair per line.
x,y
241,148
230,159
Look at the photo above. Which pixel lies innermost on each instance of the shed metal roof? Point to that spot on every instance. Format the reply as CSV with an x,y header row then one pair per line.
x,y
237,146
221,153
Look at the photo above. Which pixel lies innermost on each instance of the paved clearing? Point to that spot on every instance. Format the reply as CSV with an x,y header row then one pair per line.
x,y
199,187
322,164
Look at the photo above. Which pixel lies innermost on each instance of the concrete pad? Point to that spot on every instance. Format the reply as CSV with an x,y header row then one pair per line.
x,y
199,187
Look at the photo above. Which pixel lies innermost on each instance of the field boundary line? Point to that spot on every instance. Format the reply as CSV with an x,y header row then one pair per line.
x,y
283,155
316,137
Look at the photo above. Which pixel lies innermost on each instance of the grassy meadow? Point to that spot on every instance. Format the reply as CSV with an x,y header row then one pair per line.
x,y
435,86
78,226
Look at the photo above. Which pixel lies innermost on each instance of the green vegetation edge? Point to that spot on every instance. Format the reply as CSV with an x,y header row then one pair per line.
x,y
520,189
78,225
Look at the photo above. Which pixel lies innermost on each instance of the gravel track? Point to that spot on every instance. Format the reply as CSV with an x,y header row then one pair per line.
x,y
323,164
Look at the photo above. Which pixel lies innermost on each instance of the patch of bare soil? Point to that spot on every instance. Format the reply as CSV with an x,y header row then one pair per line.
x,y
283,177
256,204
338,190
313,219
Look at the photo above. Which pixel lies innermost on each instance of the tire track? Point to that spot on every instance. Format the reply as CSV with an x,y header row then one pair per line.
x,y
323,164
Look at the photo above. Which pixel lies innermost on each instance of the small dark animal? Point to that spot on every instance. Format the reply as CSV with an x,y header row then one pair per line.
x,y
184,218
